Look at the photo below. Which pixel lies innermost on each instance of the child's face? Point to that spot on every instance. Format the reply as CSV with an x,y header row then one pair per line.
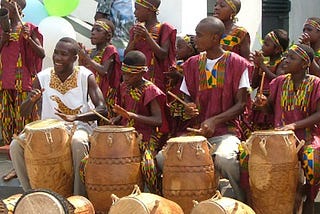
x,y
204,40
141,13
99,35
9,6
222,10
183,50
293,63
268,47
312,32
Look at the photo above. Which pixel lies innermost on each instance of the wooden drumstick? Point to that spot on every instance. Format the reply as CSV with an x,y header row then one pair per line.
x,y
177,98
193,130
19,17
262,82
101,116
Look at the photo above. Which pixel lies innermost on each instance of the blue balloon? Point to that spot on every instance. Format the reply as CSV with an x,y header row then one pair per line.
x,y
34,12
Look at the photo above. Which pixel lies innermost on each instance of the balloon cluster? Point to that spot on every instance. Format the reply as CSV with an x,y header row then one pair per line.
x,y
48,16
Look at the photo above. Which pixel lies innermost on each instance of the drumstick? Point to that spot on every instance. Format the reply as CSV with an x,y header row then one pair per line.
x,y
193,130
101,116
177,98
262,81
19,17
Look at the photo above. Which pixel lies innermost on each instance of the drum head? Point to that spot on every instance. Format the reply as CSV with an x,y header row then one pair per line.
x,y
44,124
42,201
271,132
113,129
129,205
187,139
206,207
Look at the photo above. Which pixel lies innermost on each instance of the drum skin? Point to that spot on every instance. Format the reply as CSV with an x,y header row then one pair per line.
x,y
46,201
273,171
48,158
143,203
221,205
113,165
188,171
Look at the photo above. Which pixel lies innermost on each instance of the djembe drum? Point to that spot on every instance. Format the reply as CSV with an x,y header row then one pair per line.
x,y
143,203
47,151
221,205
46,201
273,170
7,205
188,171
113,165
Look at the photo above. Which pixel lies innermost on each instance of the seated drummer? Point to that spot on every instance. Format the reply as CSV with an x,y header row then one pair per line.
x,y
61,81
141,105
294,100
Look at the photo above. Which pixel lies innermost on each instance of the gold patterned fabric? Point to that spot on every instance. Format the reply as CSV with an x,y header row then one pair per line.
x,y
63,87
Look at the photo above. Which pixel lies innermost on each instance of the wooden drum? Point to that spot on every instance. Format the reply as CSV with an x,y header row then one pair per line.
x,y
48,158
45,201
143,203
273,170
113,165
188,171
7,205
221,205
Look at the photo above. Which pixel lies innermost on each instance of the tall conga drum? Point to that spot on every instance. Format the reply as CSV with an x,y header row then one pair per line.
x,y
47,151
273,170
7,205
143,203
221,205
46,201
113,165
188,171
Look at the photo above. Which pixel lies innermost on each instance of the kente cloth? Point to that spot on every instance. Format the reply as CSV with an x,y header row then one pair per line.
x,y
161,33
19,57
232,41
263,120
291,106
110,83
214,97
137,100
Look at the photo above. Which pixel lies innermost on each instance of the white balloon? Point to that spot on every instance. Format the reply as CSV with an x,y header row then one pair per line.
x,y
53,28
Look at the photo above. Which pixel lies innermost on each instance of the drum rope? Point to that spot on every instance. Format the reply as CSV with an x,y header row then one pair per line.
x,y
180,151
262,144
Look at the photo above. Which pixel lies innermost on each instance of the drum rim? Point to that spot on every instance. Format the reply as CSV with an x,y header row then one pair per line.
x,y
196,138
268,132
113,129
131,197
52,123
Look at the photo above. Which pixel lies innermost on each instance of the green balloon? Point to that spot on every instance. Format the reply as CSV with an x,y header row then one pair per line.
x,y
60,7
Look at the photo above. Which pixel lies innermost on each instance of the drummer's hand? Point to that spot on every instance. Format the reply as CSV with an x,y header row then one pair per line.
x,y
121,111
65,117
208,128
35,94
191,110
115,120
291,126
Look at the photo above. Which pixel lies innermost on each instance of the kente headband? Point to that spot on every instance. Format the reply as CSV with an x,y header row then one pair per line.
x,y
148,5
302,53
134,69
104,25
313,23
275,39
232,5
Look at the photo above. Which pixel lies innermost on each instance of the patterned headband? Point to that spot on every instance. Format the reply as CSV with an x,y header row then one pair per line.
x,y
134,69
275,39
104,25
232,5
148,5
313,23
302,53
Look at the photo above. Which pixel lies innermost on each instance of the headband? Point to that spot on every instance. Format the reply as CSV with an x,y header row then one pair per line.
x,y
232,5
313,23
302,53
275,39
104,25
134,69
148,5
